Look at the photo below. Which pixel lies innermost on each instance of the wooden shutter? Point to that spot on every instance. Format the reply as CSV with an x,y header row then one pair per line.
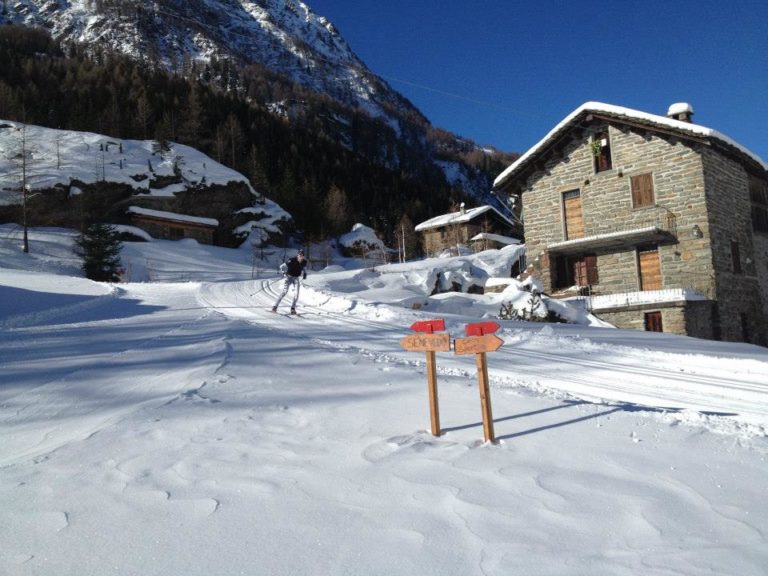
x,y
574,221
580,272
642,190
650,269
585,270
653,322
591,265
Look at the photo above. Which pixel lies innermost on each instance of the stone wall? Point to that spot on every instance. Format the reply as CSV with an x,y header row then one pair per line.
x,y
633,318
691,318
738,288
606,197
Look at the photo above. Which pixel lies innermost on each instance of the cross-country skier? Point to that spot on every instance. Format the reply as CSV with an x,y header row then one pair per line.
x,y
292,271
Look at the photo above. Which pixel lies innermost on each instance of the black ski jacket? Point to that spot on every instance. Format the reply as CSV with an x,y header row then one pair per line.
x,y
295,268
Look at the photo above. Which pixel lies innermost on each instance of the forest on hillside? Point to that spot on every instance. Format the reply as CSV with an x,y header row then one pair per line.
x,y
329,166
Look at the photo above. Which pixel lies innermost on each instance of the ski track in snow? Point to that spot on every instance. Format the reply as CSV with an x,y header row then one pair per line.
x,y
737,403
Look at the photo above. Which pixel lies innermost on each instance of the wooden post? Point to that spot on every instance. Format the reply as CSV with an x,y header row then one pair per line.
x,y
485,397
434,410
427,341
480,339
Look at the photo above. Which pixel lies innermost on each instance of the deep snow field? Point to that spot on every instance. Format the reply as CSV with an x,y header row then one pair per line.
x,y
172,425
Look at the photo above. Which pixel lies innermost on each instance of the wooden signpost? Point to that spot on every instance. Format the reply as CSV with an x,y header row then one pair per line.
x,y
427,341
481,339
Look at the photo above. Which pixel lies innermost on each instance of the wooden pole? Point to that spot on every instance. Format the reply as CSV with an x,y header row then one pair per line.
x,y
434,410
485,397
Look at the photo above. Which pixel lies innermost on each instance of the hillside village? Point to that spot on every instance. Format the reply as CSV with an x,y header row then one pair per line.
x,y
650,222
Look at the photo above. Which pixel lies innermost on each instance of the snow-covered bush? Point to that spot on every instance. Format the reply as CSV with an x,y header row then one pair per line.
x,y
362,242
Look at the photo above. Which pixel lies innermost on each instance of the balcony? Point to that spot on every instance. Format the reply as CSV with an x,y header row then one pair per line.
x,y
655,225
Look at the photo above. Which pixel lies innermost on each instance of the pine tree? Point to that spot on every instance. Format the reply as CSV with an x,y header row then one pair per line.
x,y
337,210
99,246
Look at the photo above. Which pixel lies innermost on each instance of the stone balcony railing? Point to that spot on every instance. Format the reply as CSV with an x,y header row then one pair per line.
x,y
621,300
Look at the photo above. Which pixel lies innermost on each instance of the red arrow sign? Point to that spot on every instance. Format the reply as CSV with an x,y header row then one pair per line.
x,y
428,326
477,344
481,328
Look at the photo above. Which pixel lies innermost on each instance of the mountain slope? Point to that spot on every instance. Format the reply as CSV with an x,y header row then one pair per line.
x,y
219,40
282,35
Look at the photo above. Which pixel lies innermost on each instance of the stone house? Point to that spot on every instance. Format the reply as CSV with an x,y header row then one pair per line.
x,y
662,224
173,226
447,231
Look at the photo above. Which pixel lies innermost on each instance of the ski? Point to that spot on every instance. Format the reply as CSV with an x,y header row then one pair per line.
x,y
288,315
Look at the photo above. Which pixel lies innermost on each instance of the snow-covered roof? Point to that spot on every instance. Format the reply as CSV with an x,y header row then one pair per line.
x,y
173,216
458,218
494,237
620,112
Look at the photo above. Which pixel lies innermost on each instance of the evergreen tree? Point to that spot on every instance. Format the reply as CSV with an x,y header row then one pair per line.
x,y
99,246
337,210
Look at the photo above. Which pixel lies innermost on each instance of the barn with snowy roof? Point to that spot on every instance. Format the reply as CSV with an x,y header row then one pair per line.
x,y
464,226
658,223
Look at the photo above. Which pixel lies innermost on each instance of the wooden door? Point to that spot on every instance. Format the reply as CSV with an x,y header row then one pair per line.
x,y
653,322
650,269
574,221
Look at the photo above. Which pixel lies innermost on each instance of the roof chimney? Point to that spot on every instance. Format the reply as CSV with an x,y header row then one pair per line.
x,y
462,209
680,111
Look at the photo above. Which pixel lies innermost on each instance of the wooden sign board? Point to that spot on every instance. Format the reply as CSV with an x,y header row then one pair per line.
x,y
428,326
427,342
477,344
481,328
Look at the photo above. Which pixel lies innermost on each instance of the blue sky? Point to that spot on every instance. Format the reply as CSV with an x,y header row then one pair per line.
x,y
504,72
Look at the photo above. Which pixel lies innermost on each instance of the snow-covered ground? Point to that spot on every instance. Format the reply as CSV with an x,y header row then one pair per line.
x,y
175,426
60,157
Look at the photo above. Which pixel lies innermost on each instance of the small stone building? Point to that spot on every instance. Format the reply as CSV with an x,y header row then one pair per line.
x,y
173,226
662,224
447,231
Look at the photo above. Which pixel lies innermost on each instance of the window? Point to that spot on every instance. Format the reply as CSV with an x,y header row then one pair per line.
x,y
653,322
601,150
642,190
575,271
735,257
758,195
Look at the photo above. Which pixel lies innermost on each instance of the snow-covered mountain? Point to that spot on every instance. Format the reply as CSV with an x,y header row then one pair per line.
x,y
215,39
285,36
